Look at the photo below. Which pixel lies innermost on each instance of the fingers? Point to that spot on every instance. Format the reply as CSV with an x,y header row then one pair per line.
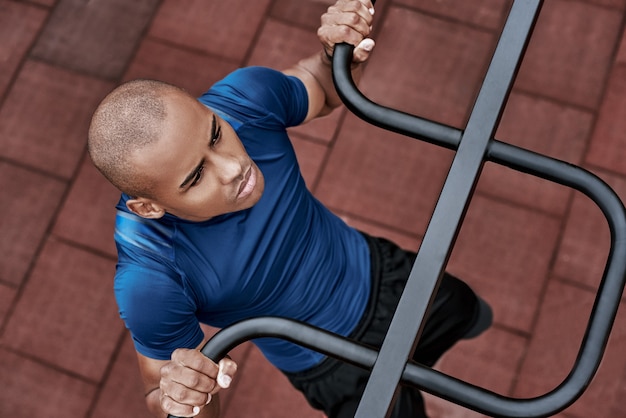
x,y
190,380
178,409
363,50
347,21
351,13
194,360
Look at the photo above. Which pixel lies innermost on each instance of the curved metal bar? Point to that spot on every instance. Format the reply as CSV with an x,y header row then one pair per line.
x,y
601,319
447,387
385,117
291,330
603,313
609,292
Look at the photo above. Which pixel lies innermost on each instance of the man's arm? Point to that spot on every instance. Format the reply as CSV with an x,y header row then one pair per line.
x,y
347,21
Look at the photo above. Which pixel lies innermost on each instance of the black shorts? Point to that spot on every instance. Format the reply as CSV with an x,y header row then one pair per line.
x,y
336,387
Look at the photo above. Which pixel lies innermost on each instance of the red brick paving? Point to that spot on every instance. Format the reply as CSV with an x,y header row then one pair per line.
x,y
535,250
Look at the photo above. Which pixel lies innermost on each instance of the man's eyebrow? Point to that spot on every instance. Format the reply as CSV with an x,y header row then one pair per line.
x,y
213,127
196,170
192,175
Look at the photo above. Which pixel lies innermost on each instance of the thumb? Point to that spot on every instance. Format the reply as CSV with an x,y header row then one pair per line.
x,y
363,49
226,370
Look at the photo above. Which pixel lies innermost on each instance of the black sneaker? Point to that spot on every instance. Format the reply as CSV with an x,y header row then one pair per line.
x,y
482,320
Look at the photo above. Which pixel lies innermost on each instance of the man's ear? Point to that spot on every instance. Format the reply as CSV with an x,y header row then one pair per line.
x,y
145,208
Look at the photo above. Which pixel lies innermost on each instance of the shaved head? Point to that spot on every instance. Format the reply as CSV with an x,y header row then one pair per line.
x,y
128,119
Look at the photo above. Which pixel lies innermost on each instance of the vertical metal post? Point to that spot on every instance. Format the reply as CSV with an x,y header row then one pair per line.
x,y
407,324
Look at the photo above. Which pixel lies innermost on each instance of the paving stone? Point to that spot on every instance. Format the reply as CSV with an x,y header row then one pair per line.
x,y
45,118
554,346
67,316
192,70
32,389
427,66
585,244
544,127
607,148
48,3
95,37
505,253
621,57
278,400
7,297
570,52
495,359
19,25
304,13
225,29
30,200
364,176
88,213
123,392
487,13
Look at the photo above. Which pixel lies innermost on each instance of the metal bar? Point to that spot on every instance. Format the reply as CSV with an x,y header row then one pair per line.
x,y
408,321
596,336
601,319
384,117
590,354
602,316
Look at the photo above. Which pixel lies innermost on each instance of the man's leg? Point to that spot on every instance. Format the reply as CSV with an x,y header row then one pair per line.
x,y
456,313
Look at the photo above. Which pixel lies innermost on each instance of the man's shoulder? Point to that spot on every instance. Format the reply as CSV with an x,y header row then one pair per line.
x,y
253,93
138,235
246,83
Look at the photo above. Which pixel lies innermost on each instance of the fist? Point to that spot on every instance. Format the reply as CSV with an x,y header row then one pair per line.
x,y
189,381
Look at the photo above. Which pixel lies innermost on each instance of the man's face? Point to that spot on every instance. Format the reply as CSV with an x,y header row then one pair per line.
x,y
199,165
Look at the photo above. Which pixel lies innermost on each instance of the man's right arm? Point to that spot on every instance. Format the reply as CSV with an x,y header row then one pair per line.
x,y
185,386
346,21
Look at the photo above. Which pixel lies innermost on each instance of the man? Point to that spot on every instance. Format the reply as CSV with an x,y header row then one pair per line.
x,y
215,225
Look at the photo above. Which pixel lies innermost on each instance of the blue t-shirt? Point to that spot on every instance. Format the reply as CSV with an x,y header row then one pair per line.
x,y
286,256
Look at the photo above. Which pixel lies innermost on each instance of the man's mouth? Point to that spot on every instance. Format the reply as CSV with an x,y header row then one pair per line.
x,y
248,183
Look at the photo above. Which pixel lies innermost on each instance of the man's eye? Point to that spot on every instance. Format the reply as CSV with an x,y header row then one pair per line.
x,y
197,177
216,138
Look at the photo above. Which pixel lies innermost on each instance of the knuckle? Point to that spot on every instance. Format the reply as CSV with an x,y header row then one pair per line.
x,y
166,403
354,19
212,385
344,31
194,381
355,5
173,395
197,362
166,370
182,395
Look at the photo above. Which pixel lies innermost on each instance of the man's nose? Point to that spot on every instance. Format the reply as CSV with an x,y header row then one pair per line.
x,y
228,168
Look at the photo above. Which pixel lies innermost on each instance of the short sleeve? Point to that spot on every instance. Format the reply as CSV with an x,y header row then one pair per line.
x,y
156,311
255,92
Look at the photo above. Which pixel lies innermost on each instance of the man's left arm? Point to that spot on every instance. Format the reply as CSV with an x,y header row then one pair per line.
x,y
346,21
